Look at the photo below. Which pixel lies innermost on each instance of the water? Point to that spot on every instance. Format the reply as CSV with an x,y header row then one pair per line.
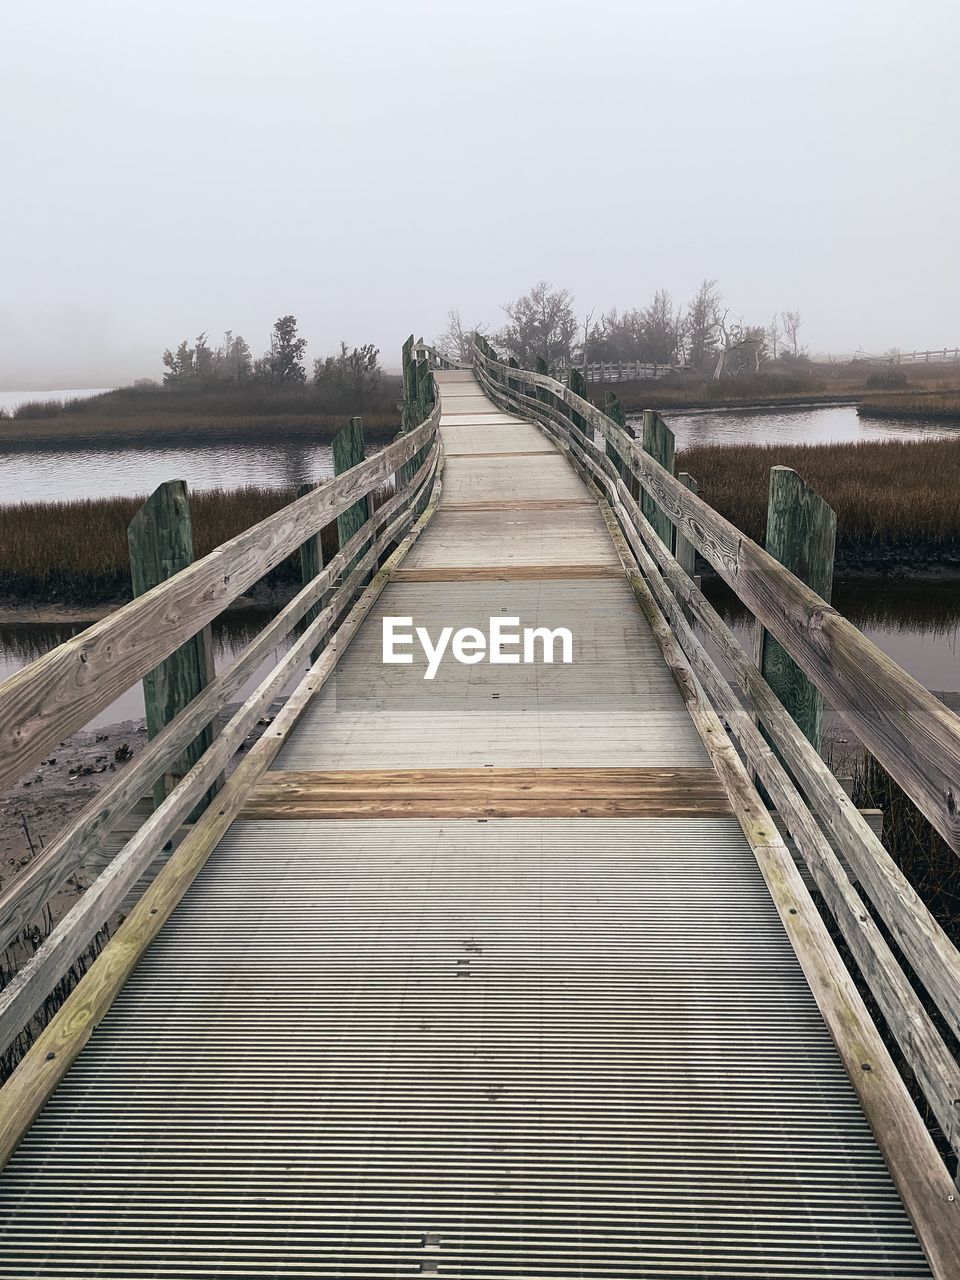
x,y
915,623
831,424
45,474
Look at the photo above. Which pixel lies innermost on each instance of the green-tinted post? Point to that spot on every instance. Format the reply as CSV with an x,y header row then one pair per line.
x,y
578,385
541,366
160,539
658,441
801,534
614,409
311,562
348,450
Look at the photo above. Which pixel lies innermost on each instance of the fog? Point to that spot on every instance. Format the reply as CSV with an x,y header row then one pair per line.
x,y
169,168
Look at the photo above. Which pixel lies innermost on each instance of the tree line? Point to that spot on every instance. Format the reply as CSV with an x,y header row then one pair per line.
x,y
353,372
701,336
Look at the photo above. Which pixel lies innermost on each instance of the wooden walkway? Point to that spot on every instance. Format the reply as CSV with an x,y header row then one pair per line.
x,y
484,981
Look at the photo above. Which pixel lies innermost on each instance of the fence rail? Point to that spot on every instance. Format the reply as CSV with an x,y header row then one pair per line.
x,y
65,688
909,731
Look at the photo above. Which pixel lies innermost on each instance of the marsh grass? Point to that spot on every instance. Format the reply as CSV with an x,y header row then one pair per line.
x,y
887,494
933,406
76,552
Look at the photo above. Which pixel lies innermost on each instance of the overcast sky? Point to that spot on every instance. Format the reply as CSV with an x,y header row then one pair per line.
x,y
174,167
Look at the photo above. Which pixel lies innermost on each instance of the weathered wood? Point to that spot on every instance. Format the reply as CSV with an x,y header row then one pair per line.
x,y
801,535
579,388
349,452
26,895
925,1186
160,540
28,988
60,692
913,735
923,1047
311,562
926,946
507,453
508,573
614,410
521,793
659,443
518,504
684,550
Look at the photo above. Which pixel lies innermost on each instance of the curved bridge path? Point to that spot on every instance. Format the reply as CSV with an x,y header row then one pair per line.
x,y
486,980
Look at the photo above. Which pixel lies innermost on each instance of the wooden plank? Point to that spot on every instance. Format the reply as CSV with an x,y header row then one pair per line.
x,y
311,562
614,410
801,535
913,735
160,540
498,792
60,692
507,453
348,452
68,1031
508,573
519,504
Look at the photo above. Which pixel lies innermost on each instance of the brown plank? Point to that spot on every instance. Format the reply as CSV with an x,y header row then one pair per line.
x,y
508,573
508,453
518,504
471,792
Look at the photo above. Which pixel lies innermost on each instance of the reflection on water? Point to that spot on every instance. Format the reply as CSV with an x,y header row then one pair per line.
x,y
915,623
22,643
43,475
833,424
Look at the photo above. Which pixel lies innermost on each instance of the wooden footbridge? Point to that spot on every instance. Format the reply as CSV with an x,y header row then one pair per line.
x,y
511,972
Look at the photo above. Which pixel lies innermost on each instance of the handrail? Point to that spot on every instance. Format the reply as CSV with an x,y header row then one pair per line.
x,y
670,597
913,735
62,690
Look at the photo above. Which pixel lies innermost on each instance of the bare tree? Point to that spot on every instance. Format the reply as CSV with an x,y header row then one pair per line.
x,y
774,334
455,342
791,332
541,323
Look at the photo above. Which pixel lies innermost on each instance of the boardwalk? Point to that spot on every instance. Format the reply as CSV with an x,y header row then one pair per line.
x,y
484,980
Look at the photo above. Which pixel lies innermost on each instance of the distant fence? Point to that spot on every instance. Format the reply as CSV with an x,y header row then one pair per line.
x,y
622,370
943,355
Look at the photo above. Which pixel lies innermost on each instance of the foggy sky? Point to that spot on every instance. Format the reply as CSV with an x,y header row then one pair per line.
x,y
175,167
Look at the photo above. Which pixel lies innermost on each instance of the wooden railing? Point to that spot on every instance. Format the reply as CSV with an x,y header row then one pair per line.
x,y
66,688
910,732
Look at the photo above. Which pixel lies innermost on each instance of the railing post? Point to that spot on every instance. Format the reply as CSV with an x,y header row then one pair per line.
x,y
311,562
685,553
348,450
658,441
578,385
160,539
801,534
613,408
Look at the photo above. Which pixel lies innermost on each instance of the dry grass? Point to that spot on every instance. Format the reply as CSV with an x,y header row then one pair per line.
x,y
885,493
935,406
76,552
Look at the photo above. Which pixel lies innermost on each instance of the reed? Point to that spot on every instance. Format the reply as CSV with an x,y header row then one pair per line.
x,y
889,494
932,406
76,552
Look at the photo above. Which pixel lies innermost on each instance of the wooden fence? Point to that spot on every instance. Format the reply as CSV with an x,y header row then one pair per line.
x,y
64,689
652,514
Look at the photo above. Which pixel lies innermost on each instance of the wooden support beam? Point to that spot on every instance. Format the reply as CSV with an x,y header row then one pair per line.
x,y
801,535
659,443
578,385
613,408
160,538
349,451
685,552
